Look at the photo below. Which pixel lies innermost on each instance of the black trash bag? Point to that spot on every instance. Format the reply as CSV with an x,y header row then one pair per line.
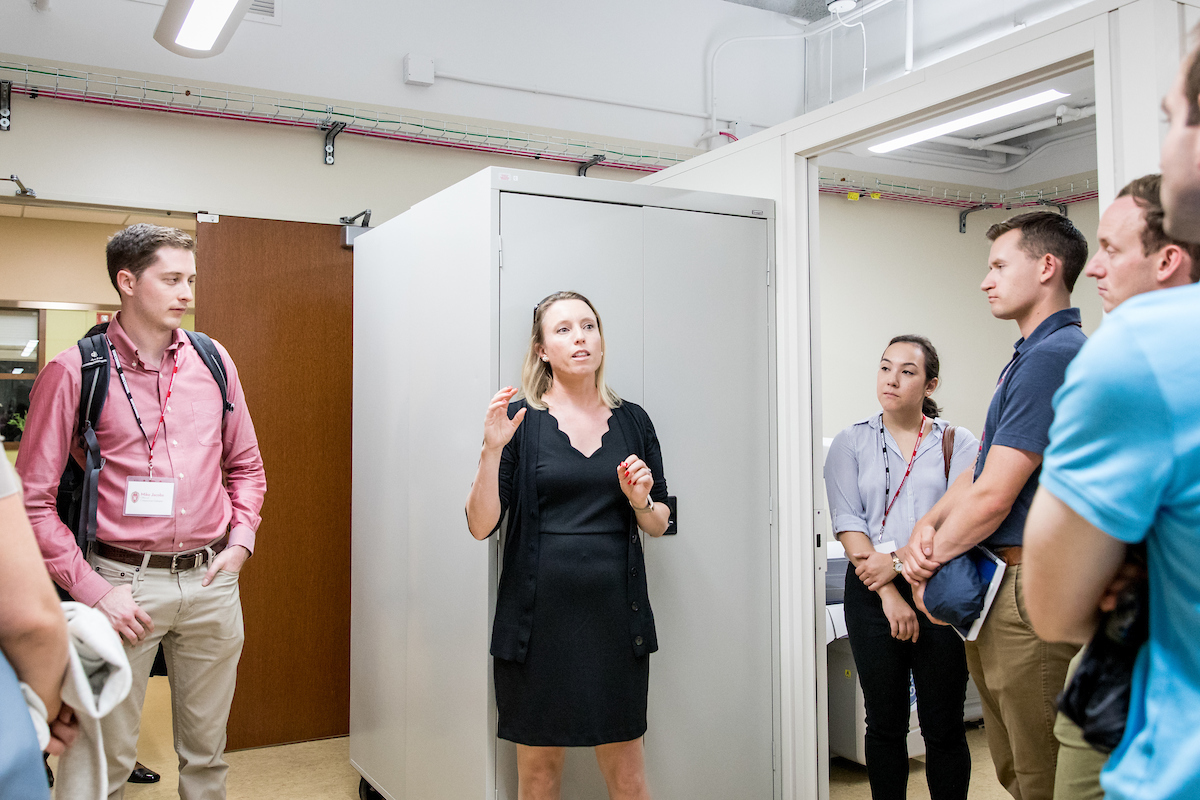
x,y
1097,698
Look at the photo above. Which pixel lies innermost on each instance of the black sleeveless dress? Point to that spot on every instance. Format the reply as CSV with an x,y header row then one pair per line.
x,y
580,684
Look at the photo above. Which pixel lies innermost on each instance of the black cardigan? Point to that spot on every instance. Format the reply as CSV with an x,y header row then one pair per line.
x,y
518,499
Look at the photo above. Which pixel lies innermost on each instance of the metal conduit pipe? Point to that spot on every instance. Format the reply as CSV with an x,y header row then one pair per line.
x,y
1062,114
712,131
971,144
809,32
516,87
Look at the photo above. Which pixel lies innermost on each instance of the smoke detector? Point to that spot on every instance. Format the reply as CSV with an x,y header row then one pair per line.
x,y
841,6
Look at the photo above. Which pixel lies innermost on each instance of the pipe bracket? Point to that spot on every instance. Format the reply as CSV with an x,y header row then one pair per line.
x,y
331,132
962,217
5,106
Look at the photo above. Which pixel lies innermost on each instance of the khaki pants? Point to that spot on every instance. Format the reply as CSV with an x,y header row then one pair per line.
x,y
1019,677
200,628
1079,764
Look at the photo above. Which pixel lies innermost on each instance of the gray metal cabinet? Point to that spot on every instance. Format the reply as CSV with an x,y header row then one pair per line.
x,y
444,297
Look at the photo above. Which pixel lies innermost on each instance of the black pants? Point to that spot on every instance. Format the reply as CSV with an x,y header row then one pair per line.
x,y
939,671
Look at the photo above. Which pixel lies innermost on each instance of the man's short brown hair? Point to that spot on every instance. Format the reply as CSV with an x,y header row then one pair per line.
x,y
1047,233
1146,192
135,247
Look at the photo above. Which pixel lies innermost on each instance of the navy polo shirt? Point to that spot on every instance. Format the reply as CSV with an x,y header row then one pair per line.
x,y
1022,408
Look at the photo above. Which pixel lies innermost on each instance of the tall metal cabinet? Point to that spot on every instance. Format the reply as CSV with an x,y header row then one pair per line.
x,y
443,303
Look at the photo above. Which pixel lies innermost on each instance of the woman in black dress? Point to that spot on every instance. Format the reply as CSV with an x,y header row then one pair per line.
x,y
577,472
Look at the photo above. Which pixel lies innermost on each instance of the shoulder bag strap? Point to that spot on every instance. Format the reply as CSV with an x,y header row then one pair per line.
x,y
948,448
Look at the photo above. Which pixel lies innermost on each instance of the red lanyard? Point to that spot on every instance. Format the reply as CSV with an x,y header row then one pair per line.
x,y
162,415
888,471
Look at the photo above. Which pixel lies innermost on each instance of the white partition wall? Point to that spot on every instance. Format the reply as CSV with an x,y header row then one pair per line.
x,y
444,296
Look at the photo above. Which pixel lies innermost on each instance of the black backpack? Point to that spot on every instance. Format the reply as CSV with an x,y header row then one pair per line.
x,y
79,488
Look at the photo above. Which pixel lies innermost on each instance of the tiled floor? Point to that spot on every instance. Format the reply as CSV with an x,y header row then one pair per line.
x,y
321,770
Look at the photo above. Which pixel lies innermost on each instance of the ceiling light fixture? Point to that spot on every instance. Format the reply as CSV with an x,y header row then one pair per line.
x,y
199,28
30,346
979,118
840,6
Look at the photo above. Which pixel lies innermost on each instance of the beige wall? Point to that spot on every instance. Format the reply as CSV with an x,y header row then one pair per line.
x,y
889,268
46,260
143,159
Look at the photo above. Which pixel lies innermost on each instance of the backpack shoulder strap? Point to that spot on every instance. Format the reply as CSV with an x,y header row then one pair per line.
x,y
215,363
94,387
948,448
93,392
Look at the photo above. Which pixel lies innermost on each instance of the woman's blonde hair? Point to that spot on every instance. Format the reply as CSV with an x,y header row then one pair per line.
x,y
536,375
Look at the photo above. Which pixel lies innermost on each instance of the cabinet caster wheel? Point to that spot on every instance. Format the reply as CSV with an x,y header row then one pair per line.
x,y
366,791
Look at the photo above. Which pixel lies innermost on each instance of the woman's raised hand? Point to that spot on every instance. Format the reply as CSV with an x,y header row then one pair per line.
x,y
636,481
498,429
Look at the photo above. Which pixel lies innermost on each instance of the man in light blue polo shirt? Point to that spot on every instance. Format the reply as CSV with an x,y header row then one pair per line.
x,y
1123,466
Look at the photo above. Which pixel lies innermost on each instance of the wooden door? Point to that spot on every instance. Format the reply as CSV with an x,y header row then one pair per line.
x,y
279,296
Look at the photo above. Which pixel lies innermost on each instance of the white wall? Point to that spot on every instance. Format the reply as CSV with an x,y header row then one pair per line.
x,y
888,268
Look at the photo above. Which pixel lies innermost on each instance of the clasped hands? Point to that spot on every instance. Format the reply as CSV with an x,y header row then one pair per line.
x,y
918,565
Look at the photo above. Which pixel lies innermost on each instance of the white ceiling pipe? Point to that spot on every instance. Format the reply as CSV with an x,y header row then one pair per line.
x,y
713,131
908,36
973,145
996,171
1061,115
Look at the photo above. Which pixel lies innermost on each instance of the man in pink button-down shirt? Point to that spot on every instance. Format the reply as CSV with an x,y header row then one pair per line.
x,y
170,577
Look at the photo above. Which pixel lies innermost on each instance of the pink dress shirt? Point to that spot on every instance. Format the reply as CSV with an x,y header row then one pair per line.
x,y
193,447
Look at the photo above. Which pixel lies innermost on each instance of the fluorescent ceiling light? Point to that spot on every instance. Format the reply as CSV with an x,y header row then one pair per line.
x,y
199,28
30,346
18,371
203,23
1014,107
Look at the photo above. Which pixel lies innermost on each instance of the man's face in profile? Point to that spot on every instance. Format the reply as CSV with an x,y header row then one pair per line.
x,y
1180,161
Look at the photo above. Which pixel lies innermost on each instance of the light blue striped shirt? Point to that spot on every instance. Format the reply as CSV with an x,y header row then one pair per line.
x,y
855,478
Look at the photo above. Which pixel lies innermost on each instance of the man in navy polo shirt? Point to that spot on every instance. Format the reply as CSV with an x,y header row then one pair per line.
x,y
1123,467
1034,262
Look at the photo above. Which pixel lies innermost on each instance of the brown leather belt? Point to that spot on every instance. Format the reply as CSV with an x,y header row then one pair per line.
x,y
176,562
1010,555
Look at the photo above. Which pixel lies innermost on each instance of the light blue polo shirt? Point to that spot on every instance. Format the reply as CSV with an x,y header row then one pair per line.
x,y
1125,454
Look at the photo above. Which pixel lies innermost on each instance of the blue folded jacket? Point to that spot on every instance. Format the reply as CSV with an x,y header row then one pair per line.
x,y
955,593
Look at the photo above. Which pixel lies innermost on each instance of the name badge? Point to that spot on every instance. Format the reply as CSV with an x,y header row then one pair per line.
x,y
886,547
149,497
